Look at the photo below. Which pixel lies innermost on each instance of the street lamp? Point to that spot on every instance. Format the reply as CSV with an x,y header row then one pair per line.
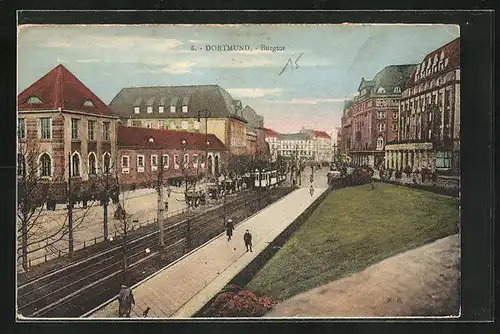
x,y
184,168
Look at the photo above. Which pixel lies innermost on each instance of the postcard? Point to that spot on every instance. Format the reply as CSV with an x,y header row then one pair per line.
x,y
238,171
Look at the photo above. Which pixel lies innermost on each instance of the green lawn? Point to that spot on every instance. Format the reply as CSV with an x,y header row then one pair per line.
x,y
352,229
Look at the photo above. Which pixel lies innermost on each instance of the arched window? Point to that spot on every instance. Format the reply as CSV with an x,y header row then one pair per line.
x,y
380,143
381,90
217,165
106,162
210,164
45,165
75,164
92,164
397,90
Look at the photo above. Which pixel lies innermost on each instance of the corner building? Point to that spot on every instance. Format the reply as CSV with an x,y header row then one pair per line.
x,y
429,115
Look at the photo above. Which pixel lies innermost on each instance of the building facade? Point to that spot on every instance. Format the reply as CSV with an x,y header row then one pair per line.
x,y
370,120
64,129
322,145
143,151
429,115
271,138
197,109
255,132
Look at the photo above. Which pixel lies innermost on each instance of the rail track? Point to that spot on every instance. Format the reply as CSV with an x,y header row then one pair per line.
x,y
75,289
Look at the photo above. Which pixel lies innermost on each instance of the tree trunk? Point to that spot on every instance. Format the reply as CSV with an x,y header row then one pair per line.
x,y
24,242
105,222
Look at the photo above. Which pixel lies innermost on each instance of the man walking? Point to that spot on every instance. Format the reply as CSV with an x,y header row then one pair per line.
x,y
125,301
229,229
247,237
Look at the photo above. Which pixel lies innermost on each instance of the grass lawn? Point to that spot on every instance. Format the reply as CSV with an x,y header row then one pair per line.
x,y
352,229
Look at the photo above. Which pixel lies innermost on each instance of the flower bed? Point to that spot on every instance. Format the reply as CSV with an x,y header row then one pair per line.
x,y
233,301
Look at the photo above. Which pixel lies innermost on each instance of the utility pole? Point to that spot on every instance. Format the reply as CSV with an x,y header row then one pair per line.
x,y
70,210
161,204
184,167
207,115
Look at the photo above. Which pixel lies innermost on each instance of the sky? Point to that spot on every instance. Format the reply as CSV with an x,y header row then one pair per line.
x,y
303,84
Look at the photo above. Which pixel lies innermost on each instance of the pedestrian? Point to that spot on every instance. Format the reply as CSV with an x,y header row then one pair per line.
x,y
311,190
125,301
247,237
229,229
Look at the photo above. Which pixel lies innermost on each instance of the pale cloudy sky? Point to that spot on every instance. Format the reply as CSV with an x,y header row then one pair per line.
x,y
334,58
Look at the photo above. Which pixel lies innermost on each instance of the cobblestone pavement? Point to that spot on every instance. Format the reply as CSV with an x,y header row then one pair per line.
x,y
182,288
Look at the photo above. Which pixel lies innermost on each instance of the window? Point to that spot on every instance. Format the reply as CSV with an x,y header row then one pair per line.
x,y
75,127
46,128
125,161
184,109
45,165
197,125
105,131
443,159
75,164
21,128
397,90
184,125
381,127
148,124
137,110
154,162
172,109
106,162
140,163
172,125
381,90
381,114
88,103
195,160
161,109
186,160
395,127
91,130
380,143
165,161
149,109
20,164
33,99
176,161
395,115
92,164
161,124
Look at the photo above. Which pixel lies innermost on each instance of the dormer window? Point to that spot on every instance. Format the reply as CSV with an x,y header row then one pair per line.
x,y
172,109
161,109
184,109
88,103
33,99
137,110
151,140
397,90
381,90
149,109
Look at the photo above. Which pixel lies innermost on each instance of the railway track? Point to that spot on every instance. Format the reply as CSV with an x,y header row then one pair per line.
x,y
77,288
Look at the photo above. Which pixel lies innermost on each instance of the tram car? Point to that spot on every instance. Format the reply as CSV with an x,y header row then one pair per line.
x,y
194,198
267,179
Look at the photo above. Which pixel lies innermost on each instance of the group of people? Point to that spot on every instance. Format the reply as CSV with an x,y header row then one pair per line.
x,y
247,237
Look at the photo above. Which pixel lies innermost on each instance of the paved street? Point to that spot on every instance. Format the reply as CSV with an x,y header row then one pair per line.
x,y
141,204
183,287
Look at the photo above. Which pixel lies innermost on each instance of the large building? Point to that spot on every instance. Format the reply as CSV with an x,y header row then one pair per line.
x,y
256,141
322,145
183,108
64,129
370,120
271,138
429,114
142,152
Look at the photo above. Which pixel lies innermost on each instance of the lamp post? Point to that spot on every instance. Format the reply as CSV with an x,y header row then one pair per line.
x,y
184,168
207,143
161,205
70,210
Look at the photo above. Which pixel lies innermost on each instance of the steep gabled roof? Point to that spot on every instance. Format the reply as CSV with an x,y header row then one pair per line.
x,y
253,119
271,133
59,88
196,97
137,137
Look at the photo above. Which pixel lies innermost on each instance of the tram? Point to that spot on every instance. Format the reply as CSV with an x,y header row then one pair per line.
x,y
267,179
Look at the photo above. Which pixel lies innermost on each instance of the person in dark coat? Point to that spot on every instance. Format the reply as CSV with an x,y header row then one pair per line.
x,y
125,301
247,237
229,229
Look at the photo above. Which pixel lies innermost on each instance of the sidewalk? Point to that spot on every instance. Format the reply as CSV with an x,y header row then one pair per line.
x,y
185,286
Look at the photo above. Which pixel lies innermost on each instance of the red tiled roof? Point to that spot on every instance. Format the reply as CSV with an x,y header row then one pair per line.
x,y
321,134
451,51
137,137
271,133
61,89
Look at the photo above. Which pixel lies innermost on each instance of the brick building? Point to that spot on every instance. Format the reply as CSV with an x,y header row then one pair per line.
x,y
429,114
370,120
141,151
182,108
71,131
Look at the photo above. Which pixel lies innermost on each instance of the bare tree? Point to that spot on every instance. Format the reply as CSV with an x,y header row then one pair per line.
x,y
37,183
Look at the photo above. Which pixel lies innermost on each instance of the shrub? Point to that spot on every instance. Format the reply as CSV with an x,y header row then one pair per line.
x,y
236,302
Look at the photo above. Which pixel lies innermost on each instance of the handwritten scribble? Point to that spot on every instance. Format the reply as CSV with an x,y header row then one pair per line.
x,y
293,65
